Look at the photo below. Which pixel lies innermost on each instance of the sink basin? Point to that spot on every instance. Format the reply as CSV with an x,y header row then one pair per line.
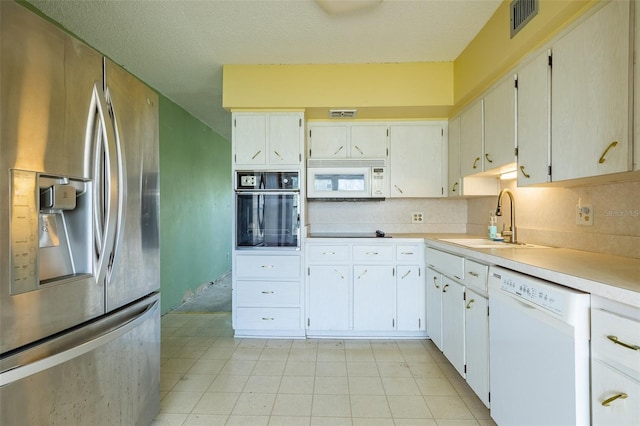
x,y
486,243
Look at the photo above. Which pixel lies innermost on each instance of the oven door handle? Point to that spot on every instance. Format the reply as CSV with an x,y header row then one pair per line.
x,y
266,192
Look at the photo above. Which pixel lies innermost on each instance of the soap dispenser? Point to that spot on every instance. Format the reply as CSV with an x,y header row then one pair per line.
x,y
493,225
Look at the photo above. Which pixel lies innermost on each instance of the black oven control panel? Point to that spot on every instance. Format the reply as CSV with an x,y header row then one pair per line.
x,y
267,181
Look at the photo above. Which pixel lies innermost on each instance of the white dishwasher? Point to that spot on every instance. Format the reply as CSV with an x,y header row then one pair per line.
x,y
539,351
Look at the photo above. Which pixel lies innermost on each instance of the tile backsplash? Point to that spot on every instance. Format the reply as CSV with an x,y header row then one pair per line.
x,y
547,216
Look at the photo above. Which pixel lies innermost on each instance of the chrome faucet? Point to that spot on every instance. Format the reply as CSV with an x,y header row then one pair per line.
x,y
512,228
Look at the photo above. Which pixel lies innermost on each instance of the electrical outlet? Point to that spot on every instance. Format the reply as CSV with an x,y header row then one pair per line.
x,y
584,214
417,217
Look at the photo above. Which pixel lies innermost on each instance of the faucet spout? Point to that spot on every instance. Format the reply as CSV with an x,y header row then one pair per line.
x,y
512,201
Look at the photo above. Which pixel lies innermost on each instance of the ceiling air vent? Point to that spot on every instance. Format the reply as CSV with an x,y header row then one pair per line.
x,y
522,11
342,113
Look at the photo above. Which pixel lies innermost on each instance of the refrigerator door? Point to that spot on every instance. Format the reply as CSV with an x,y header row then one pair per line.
x,y
135,271
47,104
105,373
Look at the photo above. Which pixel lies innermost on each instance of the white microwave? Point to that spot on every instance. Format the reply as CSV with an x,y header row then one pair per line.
x,y
346,179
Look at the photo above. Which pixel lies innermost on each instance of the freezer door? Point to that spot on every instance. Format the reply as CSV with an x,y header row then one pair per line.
x,y
135,271
46,84
106,373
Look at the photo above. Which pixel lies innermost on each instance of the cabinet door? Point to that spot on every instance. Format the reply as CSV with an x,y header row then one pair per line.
x,y
373,297
368,141
477,344
590,96
328,141
434,307
454,184
329,297
534,91
453,323
500,125
285,134
471,140
250,138
607,383
410,298
417,160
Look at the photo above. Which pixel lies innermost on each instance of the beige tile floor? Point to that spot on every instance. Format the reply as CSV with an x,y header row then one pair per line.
x,y
210,378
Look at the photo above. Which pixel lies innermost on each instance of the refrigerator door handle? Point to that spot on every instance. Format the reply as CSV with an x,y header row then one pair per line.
x,y
67,347
105,182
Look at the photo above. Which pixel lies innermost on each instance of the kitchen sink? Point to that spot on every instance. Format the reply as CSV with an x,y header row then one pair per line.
x,y
487,243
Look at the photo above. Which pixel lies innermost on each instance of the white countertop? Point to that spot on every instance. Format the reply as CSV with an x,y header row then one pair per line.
x,y
612,277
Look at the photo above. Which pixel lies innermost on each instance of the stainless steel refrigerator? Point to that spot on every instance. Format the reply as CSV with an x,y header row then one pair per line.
x,y
79,232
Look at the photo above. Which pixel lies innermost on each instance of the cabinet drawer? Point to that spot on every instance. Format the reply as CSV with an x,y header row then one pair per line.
x,y
327,253
267,266
373,253
410,253
606,326
447,263
475,274
607,383
267,319
267,293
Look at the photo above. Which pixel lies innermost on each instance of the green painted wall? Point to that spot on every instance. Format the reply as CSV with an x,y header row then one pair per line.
x,y
195,204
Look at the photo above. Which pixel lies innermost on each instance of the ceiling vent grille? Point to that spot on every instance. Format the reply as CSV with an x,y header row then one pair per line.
x,y
342,113
522,11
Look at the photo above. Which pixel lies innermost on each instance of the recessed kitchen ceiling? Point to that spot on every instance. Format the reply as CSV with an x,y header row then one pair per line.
x,y
179,47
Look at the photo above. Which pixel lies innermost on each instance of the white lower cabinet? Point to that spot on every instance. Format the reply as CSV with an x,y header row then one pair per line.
x,y
434,307
365,289
373,297
453,323
329,292
615,363
267,295
476,322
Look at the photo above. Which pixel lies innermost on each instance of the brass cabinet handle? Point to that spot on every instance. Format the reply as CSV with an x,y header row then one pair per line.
x,y
277,153
358,148
407,253
604,154
267,319
328,253
488,159
455,187
267,292
255,155
396,186
267,266
363,273
405,275
339,274
615,340
475,162
524,173
435,282
372,253
444,289
470,302
474,274
608,401
338,150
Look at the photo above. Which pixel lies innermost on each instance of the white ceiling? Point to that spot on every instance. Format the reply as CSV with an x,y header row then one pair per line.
x,y
178,47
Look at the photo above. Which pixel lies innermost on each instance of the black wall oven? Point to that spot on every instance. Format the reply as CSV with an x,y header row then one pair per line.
x,y
267,209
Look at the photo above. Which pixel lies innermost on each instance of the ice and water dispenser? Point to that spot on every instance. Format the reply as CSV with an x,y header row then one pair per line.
x,y
51,229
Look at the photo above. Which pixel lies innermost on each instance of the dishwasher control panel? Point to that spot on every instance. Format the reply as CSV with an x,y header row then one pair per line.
x,y
531,289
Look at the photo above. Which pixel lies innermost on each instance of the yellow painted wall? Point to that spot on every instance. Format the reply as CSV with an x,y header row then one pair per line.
x,y
492,52
388,90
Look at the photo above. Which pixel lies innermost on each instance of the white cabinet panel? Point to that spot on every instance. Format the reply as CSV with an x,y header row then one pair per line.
x,y
330,297
471,134
328,253
590,96
619,393
267,293
453,323
373,297
267,266
454,183
284,139
534,115
477,344
434,307
410,293
500,125
373,253
328,141
446,263
410,253
368,141
268,318
615,337
475,275
250,138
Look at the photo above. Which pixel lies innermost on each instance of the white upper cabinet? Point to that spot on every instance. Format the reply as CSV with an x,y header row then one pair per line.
x,y
454,184
500,125
417,159
348,140
534,91
591,96
266,139
471,125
